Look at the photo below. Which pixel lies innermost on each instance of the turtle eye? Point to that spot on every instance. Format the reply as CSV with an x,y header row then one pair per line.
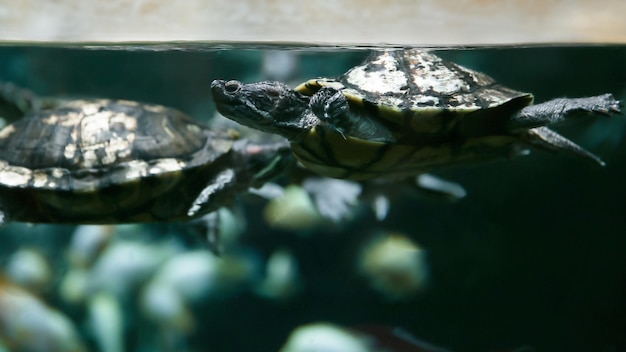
x,y
232,86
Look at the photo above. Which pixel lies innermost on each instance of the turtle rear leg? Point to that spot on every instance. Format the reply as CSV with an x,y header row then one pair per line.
x,y
531,122
557,110
547,139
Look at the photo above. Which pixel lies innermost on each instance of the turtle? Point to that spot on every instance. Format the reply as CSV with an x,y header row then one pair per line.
x,y
104,161
402,113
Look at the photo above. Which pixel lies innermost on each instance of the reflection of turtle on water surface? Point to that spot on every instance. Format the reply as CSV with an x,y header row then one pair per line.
x,y
402,113
112,161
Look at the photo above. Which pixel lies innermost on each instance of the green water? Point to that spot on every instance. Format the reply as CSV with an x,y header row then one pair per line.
x,y
533,256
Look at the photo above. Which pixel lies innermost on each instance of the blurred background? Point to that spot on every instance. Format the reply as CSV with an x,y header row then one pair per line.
x,y
407,22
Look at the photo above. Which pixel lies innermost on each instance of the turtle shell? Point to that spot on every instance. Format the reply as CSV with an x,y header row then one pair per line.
x,y
418,94
435,112
107,161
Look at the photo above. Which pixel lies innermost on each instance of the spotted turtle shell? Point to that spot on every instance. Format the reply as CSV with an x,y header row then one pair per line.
x,y
419,90
426,103
107,161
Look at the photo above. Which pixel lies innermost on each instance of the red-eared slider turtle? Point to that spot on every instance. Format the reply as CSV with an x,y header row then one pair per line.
x,y
401,113
113,161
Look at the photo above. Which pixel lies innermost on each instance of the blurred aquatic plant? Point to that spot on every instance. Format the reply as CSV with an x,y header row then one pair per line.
x,y
29,324
393,265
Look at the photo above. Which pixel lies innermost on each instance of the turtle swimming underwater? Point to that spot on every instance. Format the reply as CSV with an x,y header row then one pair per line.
x,y
402,113
104,161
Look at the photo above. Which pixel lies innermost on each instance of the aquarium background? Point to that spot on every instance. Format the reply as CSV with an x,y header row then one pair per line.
x,y
533,256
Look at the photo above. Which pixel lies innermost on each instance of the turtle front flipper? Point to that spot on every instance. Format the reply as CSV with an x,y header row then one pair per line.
x,y
557,110
222,186
332,108
330,105
209,197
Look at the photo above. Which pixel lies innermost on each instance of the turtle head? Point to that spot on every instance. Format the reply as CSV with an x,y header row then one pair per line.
x,y
267,106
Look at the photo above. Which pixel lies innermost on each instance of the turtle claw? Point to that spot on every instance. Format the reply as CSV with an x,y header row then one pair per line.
x,y
328,104
606,105
602,104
